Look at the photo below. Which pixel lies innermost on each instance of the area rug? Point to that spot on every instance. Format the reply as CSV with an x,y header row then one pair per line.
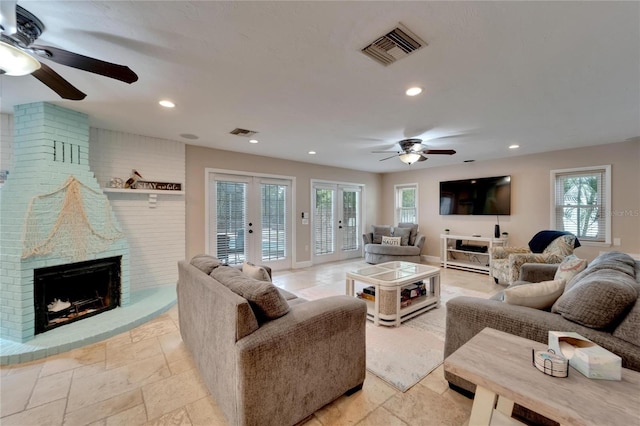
x,y
402,356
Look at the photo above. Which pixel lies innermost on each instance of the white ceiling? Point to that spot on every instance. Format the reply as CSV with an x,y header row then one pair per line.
x,y
544,75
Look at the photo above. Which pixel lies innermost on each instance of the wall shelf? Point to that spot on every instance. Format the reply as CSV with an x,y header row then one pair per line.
x,y
142,191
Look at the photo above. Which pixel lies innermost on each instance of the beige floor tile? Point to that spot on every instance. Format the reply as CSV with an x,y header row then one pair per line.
x,y
50,414
133,416
421,406
121,355
349,410
119,340
15,391
380,416
177,417
103,409
182,365
50,388
205,412
436,381
172,346
87,371
169,394
113,382
73,359
153,329
7,370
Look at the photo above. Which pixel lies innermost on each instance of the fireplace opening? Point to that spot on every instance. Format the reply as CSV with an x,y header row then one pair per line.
x,y
68,293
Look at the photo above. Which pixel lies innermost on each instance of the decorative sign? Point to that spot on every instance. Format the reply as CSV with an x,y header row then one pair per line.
x,y
162,186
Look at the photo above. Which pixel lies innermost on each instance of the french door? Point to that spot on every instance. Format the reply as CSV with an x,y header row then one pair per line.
x,y
249,219
337,223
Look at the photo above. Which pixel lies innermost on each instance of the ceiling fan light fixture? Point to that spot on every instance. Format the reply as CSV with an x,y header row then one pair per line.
x,y
409,157
16,62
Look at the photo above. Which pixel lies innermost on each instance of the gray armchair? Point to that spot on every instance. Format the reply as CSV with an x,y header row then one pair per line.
x,y
506,261
375,252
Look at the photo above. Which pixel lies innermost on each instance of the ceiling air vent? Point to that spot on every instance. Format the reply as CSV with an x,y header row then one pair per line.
x,y
242,132
394,45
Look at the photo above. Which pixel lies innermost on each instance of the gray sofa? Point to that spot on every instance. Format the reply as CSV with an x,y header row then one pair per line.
x,y
267,356
601,296
375,252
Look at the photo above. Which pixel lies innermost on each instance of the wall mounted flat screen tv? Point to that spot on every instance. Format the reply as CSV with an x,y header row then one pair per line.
x,y
480,196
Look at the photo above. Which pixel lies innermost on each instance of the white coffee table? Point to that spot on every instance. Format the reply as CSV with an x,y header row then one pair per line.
x,y
388,279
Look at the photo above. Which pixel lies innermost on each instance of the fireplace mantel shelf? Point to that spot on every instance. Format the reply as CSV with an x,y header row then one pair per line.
x,y
143,191
152,193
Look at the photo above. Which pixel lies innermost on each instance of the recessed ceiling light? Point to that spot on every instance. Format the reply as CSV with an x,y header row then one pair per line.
x,y
189,136
413,91
514,146
312,153
167,103
253,140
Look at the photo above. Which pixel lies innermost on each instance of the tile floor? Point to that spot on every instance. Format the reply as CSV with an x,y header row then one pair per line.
x,y
146,377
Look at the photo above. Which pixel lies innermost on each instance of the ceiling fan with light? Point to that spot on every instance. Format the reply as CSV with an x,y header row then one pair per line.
x,y
20,29
412,150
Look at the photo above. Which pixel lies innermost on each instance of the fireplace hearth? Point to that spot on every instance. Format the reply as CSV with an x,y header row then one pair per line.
x,y
71,292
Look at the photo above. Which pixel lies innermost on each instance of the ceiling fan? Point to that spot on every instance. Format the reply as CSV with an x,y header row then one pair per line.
x,y
412,150
20,29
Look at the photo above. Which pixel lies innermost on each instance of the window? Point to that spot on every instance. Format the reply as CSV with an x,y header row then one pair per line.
x,y
581,199
407,203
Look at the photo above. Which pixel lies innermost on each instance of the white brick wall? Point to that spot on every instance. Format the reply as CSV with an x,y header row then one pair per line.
x,y
156,235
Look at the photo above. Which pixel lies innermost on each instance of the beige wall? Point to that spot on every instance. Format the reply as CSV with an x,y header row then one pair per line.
x,y
199,158
530,198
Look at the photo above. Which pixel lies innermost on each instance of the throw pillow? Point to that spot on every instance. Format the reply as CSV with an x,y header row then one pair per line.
x,y
537,295
414,231
569,268
404,234
265,299
256,272
205,263
380,231
599,300
390,241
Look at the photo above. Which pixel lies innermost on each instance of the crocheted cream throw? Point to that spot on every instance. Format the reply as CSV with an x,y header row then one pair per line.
x,y
73,221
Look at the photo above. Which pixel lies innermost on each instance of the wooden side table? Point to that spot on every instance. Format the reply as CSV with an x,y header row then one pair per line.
x,y
500,365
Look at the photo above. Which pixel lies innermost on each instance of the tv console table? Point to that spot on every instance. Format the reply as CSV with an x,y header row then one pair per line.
x,y
465,258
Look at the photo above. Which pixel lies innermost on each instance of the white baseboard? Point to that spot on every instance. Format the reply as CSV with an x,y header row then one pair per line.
x,y
299,265
430,259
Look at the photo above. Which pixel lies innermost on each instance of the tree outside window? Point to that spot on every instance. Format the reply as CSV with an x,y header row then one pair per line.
x,y
407,203
581,202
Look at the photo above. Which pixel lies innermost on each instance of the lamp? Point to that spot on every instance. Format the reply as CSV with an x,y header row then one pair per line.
x,y
409,157
14,61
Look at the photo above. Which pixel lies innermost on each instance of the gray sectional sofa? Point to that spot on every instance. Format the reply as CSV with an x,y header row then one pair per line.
x,y
597,303
267,356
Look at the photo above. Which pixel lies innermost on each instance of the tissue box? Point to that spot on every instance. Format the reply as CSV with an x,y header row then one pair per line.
x,y
593,361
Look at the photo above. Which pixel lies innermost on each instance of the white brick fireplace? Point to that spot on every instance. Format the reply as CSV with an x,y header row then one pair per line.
x,y
50,147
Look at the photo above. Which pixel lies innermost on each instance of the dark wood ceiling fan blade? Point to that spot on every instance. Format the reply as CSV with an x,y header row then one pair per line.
x,y
393,156
439,151
422,158
58,84
384,152
85,63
